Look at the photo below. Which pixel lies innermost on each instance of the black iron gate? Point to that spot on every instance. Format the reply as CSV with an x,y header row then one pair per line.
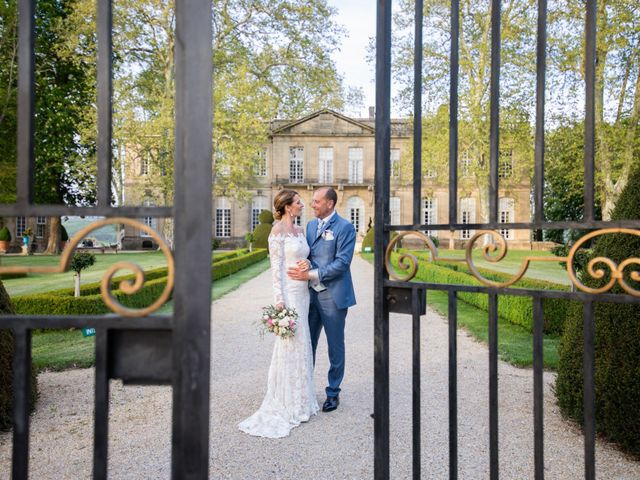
x,y
394,293
132,345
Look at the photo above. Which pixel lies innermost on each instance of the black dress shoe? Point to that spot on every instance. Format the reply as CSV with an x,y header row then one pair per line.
x,y
330,404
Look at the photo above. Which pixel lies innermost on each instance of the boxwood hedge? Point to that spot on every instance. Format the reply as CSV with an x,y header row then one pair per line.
x,y
62,302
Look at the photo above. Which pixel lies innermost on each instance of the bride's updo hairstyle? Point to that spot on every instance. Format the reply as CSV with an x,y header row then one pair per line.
x,y
283,198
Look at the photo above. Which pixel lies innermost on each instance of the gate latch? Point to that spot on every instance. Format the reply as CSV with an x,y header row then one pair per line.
x,y
399,300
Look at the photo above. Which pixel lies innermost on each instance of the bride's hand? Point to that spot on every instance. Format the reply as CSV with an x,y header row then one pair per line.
x,y
303,265
279,306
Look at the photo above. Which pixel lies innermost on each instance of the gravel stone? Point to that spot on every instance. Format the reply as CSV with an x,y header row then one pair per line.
x,y
331,445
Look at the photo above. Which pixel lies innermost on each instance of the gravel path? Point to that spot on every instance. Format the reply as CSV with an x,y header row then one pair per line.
x,y
335,445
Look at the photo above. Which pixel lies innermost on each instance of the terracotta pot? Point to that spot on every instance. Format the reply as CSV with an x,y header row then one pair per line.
x,y
4,245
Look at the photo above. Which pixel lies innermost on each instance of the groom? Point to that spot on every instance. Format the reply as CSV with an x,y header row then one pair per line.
x,y
332,240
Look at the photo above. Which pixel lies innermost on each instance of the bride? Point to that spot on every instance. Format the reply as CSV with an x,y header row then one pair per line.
x,y
290,397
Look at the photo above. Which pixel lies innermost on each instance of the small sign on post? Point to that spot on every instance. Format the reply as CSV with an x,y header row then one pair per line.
x,y
88,332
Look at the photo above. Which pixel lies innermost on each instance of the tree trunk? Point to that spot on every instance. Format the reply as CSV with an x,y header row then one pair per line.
x,y
53,243
76,292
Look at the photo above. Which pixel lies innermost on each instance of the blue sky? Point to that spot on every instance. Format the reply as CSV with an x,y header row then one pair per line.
x,y
359,19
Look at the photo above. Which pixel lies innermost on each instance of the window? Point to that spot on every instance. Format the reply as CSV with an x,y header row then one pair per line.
x,y
41,226
148,221
394,210
223,218
467,215
296,164
395,162
355,212
356,165
430,214
506,210
465,164
145,164
21,225
505,163
260,167
325,165
257,205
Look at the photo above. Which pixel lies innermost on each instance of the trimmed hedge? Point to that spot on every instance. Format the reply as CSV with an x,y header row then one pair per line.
x,y
514,309
62,302
616,342
7,346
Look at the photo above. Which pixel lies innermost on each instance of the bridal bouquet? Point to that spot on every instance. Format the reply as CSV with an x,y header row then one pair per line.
x,y
280,322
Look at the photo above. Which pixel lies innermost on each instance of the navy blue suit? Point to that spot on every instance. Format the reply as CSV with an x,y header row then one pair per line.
x,y
331,254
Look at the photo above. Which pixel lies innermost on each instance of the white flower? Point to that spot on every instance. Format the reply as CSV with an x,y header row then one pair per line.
x,y
283,322
265,317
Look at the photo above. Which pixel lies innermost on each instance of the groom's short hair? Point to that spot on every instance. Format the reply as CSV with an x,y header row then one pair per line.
x,y
331,194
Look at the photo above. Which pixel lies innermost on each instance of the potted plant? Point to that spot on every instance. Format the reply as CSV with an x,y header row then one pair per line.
x,y
5,239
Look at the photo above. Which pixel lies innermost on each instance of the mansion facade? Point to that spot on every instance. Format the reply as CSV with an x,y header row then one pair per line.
x,y
327,148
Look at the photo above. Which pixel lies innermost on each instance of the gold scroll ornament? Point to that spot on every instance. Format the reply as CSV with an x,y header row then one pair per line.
x,y
495,252
127,287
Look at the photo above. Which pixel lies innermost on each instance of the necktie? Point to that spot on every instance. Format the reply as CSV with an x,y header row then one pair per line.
x,y
320,225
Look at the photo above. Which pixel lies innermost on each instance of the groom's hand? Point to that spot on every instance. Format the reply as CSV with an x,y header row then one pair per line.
x,y
297,273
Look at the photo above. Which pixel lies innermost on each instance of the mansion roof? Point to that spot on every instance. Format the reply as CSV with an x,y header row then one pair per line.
x,y
328,122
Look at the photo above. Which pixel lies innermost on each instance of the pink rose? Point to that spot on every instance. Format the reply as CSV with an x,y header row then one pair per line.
x,y
270,322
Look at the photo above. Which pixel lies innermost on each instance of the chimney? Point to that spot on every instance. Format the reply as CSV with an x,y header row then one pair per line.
x,y
372,113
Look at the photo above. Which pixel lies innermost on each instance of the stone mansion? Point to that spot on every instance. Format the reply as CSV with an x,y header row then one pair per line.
x,y
328,148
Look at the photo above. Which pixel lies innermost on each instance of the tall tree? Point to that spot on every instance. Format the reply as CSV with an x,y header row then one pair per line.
x,y
516,89
64,140
271,58
617,84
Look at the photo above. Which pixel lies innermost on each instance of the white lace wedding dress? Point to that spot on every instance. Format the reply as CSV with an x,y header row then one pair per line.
x,y
290,397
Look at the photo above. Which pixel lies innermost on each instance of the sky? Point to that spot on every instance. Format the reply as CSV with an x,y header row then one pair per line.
x,y
359,19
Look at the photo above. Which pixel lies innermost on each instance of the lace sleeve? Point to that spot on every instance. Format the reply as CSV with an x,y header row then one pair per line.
x,y
276,256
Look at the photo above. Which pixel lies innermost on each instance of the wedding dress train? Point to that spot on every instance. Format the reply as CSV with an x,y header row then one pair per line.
x,y
290,397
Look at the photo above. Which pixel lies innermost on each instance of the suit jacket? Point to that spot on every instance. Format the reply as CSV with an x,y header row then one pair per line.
x,y
331,253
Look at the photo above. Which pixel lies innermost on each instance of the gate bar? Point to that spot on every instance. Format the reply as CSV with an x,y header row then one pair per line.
x,y
538,392
589,113
21,402
415,308
26,82
493,386
589,393
417,113
105,90
381,311
101,412
541,72
453,111
494,130
193,204
453,384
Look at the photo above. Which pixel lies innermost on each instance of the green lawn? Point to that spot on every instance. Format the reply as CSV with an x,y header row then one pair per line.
x,y
549,271
43,282
515,344
63,349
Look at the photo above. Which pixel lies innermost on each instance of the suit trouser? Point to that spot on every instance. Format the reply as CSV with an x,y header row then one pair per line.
x,y
323,312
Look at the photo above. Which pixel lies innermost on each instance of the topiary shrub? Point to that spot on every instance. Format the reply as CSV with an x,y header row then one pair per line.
x,y
6,367
369,240
5,234
262,231
617,342
64,236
